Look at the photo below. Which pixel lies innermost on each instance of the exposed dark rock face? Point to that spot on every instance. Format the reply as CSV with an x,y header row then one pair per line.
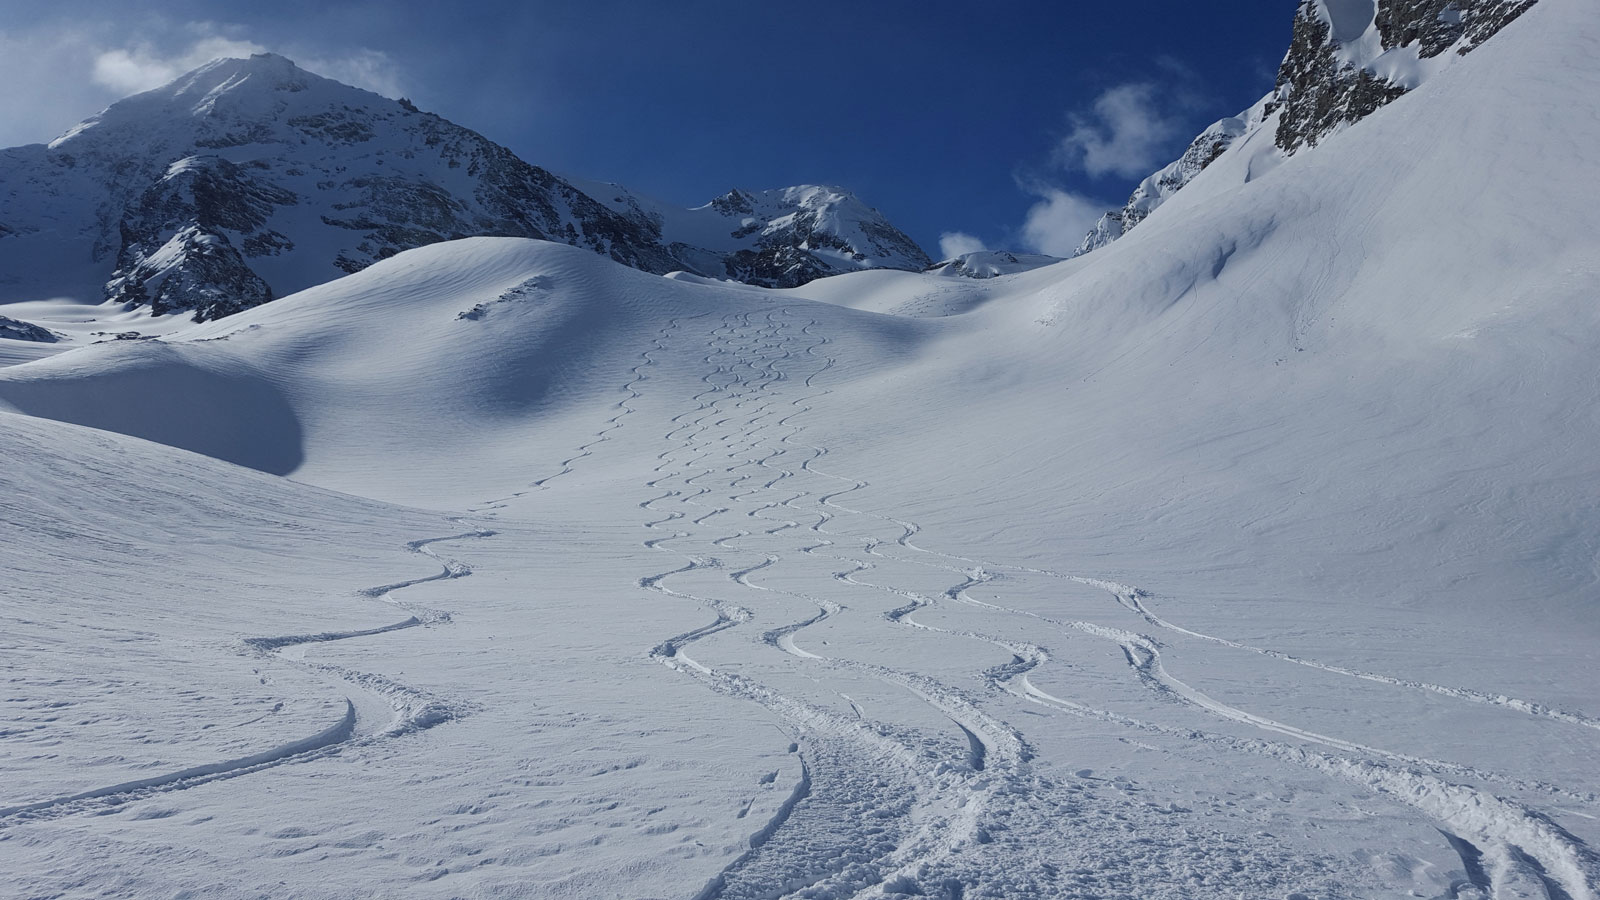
x,y
787,258
212,280
178,241
1439,25
1318,91
734,203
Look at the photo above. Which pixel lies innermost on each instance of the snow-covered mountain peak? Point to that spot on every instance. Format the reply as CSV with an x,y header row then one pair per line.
x,y
261,72
247,179
991,264
257,89
774,238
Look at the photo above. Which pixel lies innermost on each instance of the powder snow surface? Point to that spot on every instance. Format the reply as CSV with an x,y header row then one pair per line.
x,y
1252,555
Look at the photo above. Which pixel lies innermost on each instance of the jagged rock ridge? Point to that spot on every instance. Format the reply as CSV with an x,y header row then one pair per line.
x,y
1154,190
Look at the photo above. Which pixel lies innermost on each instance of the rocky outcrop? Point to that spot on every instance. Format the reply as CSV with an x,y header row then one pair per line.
x,y
18,330
1317,91
1438,25
184,242
802,250
1329,80
1326,80
782,238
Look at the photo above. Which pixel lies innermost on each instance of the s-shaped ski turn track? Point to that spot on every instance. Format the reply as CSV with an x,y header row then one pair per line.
x,y
377,708
748,418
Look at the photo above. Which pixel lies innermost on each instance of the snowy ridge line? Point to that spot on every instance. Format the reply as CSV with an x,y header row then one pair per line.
x,y
194,776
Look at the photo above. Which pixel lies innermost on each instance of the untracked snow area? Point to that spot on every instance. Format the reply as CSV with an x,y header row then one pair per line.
x,y
1251,555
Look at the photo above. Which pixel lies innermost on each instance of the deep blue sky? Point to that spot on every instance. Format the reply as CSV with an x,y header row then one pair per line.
x,y
946,116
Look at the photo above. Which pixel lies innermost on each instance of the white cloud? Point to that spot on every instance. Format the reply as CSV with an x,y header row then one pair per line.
x,y
370,69
1126,133
1056,225
140,67
42,98
59,73
958,243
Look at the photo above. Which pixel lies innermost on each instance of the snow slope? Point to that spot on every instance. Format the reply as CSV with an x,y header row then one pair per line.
x,y
1253,554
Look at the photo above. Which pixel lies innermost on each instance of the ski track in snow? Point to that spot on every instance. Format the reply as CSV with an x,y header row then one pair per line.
x,y
881,808
380,708
737,438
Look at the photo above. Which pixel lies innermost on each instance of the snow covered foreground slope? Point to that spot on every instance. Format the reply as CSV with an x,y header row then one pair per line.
x,y
1254,554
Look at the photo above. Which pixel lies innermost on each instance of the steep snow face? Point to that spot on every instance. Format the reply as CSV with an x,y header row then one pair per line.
x,y
1346,60
778,238
249,179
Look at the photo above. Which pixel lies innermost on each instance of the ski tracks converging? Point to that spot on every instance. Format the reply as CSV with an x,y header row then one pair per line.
x,y
737,479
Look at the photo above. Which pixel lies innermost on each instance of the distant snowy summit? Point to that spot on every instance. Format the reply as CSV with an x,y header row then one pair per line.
x,y
248,179
781,238
990,264
1347,59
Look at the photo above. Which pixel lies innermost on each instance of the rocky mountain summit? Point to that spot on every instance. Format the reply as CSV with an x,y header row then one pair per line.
x,y
248,179
1346,60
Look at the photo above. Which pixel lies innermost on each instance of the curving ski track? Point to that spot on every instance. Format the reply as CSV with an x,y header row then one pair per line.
x,y
743,422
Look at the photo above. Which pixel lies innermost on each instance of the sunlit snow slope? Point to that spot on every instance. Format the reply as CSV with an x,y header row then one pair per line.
x,y
1254,554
